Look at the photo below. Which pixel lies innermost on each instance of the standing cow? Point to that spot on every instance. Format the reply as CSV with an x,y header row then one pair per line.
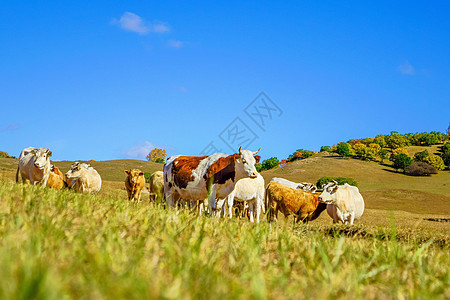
x,y
156,186
201,178
250,190
83,178
289,201
134,183
345,202
34,165
55,178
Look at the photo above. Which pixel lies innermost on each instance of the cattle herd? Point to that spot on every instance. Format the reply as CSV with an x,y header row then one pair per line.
x,y
217,183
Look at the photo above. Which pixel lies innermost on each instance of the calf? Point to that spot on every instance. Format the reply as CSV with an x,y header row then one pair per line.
x,y
345,202
134,183
34,165
289,201
156,186
55,179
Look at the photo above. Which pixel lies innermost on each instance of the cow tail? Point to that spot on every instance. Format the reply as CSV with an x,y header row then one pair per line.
x,y
266,203
17,175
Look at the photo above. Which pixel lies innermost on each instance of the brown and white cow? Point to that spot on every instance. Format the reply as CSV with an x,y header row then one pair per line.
x,y
156,186
303,204
200,178
34,165
134,183
55,178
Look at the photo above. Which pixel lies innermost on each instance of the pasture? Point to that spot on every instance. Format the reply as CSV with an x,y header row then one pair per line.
x,y
59,244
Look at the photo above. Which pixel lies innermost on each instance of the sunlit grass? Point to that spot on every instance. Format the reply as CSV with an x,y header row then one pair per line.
x,y
59,244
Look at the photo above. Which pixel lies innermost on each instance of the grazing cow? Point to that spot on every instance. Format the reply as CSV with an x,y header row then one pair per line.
x,y
55,178
289,201
34,165
306,186
345,202
201,178
83,178
250,190
156,186
134,183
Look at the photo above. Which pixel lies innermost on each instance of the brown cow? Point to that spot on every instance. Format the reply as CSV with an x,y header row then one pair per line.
x,y
305,205
134,184
156,187
55,178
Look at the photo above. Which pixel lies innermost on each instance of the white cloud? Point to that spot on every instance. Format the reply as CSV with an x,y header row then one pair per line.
x,y
132,22
406,68
175,44
139,151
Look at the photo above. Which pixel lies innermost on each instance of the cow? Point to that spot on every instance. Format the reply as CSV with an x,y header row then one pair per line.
x,y
34,165
203,178
55,179
251,191
345,202
306,186
83,178
289,201
156,188
134,183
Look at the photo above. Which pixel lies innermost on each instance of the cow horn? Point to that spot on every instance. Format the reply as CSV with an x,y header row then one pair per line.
x,y
334,181
240,152
254,153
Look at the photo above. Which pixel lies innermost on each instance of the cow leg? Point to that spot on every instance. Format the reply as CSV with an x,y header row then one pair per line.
x,y
259,204
230,202
251,210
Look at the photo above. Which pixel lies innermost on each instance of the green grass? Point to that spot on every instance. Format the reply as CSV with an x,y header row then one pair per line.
x,y
58,244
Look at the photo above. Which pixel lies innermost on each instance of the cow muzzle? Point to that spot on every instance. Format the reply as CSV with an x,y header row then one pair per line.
x,y
38,166
254,175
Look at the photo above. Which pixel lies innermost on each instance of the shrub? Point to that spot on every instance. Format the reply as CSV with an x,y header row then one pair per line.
x,y
420,156
419,168
401,161
384,153
431,138
373,150
360,150
325,148
343,149
340,180
367,141
446,158
300,154
147,176
4,155
436,161
446,147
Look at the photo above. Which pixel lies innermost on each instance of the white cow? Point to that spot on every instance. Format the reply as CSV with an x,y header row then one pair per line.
x,y
306,186
34,165
83,178
344,202
250,190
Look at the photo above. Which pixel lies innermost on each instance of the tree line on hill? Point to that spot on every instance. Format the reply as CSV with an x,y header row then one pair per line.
x,y
382,147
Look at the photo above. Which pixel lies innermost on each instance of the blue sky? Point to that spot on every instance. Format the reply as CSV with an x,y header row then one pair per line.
x,y
112,79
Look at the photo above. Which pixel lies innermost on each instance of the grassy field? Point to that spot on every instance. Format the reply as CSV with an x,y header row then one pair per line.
x,y
59,244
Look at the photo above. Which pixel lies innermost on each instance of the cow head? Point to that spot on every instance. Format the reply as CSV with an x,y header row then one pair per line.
x,y
245,163
133,175
42,157
328,195
75,169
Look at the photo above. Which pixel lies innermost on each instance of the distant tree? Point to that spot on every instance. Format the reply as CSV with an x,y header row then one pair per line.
x,y
372,151
360,150
343,149
446,158
325,148
436,161
269,163
300,154
4,155
380,140
396,140
431,138
398,151
420,156
340,180
384,153
157,155
367,141
401,161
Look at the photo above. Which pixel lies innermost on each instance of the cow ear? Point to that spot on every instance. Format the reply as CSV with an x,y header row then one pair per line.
x,y
141,174
127,172
49,153
335,189
257,158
